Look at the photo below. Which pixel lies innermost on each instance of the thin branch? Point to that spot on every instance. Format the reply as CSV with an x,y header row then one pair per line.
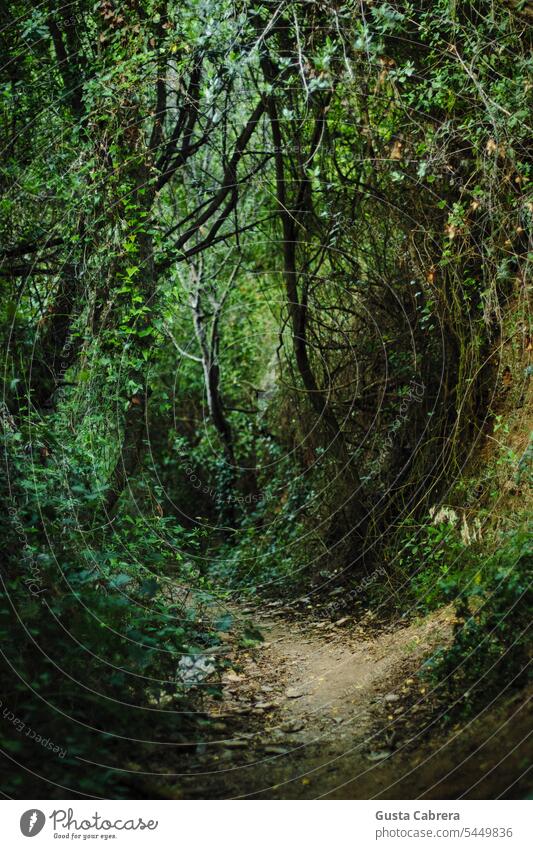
x,y
178,347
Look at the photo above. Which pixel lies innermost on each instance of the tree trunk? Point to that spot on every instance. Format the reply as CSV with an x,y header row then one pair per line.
x,y
130,453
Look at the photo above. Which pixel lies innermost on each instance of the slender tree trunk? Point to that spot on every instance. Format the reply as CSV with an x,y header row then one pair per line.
x,y
354,518
209,346
55,351
209,356
297,305
130,453
131,450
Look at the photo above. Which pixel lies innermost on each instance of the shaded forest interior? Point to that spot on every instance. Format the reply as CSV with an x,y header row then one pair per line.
x,y
265,274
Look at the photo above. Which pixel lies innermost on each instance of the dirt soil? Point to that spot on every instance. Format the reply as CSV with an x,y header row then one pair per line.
x,y
339,711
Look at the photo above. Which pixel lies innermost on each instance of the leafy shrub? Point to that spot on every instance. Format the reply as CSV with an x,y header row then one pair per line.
x,y
92,629
433,562
492,644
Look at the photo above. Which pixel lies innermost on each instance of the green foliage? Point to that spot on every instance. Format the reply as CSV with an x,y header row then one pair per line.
x,y
233,238
491,647
433,565
89,618
270,550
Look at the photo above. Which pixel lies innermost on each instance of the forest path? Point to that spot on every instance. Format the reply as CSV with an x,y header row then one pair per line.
x,y
317,681
323,710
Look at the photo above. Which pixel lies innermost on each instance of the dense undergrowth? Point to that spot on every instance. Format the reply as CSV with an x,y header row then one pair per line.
x,y
265,326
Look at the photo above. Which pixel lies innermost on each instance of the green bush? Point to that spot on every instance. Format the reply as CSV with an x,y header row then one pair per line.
x,y
492,642
433,562
91,627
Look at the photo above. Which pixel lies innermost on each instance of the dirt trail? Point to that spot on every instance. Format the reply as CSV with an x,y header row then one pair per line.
x,y
339,711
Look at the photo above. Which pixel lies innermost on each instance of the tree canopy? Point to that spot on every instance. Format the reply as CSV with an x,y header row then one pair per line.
x,y
257,263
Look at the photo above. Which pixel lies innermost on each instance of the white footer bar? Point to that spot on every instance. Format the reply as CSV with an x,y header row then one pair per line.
x,y
267,824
